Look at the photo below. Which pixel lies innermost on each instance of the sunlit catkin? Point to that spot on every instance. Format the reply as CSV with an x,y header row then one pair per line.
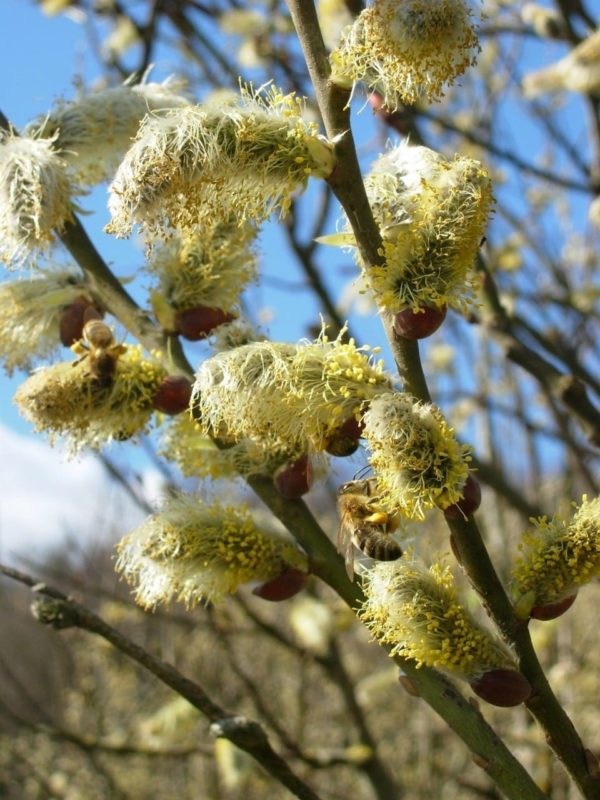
x,y
432,213
30,315
201,163
35,197
418,464
407,49
558,555
289,395
417,611
93,133
193,552
70,400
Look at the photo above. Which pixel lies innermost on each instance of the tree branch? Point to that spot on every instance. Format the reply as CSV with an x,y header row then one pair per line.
x,y
60,611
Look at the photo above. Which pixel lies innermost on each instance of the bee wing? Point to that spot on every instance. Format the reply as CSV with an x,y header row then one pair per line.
x,y
345,546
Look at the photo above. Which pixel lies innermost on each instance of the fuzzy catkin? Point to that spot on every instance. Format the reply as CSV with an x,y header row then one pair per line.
x,y
558,555
432,213
30,313
407,49
417,462
416,609
93,133
67,399
193,552
289,396
35,197
210,266
203,163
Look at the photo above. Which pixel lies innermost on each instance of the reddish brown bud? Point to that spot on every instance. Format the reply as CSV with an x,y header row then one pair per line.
x,y
294,479
553,610
502,687
469,502
199,322
418,325
290,582
73,318
173,395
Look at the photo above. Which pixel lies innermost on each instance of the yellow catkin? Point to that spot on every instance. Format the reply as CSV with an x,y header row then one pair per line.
x,y
68,400
432,213
418,464
35,197
202,163
407,50
291,396
193,552
30,313
558,556
416,609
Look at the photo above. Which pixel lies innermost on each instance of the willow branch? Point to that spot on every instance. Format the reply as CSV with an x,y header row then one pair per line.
x,y
347,184
60,611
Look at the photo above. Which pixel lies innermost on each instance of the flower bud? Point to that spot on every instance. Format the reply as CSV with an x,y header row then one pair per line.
x,y
173,395
294,479
289,583
469,502
502,687
197,323
419,324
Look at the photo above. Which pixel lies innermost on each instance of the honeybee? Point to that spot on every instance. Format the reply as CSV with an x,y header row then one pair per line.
x,y
98,346
364,525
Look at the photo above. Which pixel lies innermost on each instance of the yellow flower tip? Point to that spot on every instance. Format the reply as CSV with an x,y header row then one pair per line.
x,y
418,463
558,556
30,315
35,197
432,213
210,266
194,552
416,609
206,162
407,50
93,132
73,400
291,396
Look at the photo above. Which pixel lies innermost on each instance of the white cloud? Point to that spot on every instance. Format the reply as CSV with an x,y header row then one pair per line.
x,y
45,499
